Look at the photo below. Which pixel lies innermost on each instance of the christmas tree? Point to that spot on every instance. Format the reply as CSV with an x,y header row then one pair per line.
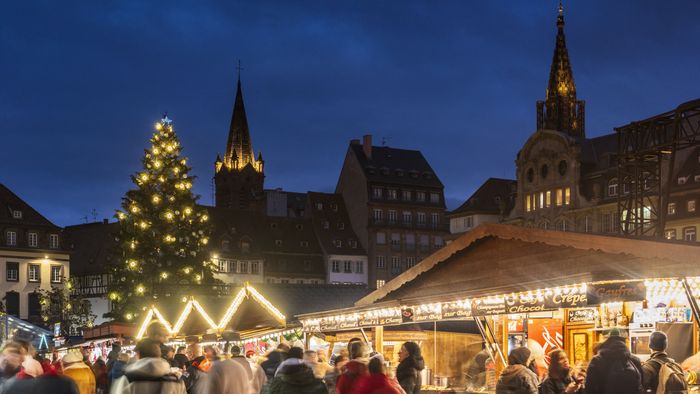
x,y
163,233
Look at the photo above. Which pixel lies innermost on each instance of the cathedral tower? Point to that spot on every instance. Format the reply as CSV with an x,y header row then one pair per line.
x,y
561,111
239,177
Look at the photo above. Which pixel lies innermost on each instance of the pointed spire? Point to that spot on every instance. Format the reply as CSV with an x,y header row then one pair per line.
x,y
561,111
239,144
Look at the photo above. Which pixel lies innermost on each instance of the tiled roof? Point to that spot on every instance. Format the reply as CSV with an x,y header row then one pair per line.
x,y
493,197
689,169
596,152
332,223
10,202
90,246
396,166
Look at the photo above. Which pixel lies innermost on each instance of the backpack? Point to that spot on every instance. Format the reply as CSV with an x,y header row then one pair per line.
x,y
671,378
624,377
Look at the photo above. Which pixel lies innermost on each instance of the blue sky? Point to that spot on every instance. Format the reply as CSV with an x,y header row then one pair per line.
x,y
83,83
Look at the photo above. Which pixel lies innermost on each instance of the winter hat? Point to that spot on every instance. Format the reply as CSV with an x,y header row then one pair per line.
x,y
615,332
72,357
658,341
519,355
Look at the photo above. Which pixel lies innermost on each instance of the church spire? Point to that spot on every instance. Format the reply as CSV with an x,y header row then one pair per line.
x,y
561,111
239,146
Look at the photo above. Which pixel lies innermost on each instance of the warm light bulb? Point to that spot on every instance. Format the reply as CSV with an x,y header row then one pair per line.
x,y
176,170
144,177
205,218
132,263
164,275
169,148
156,199
143,225
187,270
169,215
161,178
205,241
134,209
156,151
140,289
129,316
113,296
188,211
159,126
157,163
121,215
198,277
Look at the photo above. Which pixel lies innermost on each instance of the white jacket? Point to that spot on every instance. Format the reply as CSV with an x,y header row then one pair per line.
x,y
228,377
148,375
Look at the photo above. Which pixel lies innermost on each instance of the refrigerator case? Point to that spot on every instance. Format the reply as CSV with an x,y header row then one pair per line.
x,y
680,339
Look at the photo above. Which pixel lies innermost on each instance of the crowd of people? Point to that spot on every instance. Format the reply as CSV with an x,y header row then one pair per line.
x,y
613,370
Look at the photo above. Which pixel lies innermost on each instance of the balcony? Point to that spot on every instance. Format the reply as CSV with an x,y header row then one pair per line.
x,y
396,247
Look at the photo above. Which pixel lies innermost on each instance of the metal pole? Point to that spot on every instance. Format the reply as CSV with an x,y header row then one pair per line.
x,y
691,301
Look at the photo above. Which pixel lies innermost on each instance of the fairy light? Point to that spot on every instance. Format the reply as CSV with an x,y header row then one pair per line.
x,y
181,320
204,314
265,303
232,308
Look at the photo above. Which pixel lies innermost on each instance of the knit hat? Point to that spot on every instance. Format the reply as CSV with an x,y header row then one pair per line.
x,y
615,332
72,357
519,355
658,341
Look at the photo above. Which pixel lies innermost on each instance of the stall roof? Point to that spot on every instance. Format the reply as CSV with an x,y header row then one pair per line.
x,y
504,258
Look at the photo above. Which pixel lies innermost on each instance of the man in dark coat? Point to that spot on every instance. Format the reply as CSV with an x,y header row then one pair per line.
x,y
658,342
296,378
614,370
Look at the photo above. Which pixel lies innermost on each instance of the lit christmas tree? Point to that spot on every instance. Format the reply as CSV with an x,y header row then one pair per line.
x,y
163,234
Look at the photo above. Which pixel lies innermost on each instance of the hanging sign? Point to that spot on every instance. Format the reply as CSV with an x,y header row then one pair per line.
x,y
616,292
407,315
328,325
367,321
428,314
489,307
348,324
565,300
583,315
390,321
517,304
455,310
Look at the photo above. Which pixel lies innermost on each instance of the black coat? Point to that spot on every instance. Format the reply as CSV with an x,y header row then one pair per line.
x,y
650,369
557,386
408,374
601,379
54,384
298,378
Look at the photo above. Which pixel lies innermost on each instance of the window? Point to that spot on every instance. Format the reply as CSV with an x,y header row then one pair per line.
x,y
395,239
420,196
530,175
347,267
548,198
334,207
359,267
381,238
438,242
12,272
672,208
421,218
567,196
381,262
245,246
689,233
32,240
53,241
223,266
612,187
691,205
435,219
380,283
341,225
254,268
541,200
469,222
423,241
406,195
319,206
12,303
352,243
558,199
682,180
670,234
278,242
338,243
304,244
56,274
410,240
392,216
34,304
395,264
534,201
335,266
377,192
17,214
392,194
562,167
378,215
243,267
434,198
326,225
528,207
696,178
544,170
407,217
300,281
34,273
225,245
11,238
410,262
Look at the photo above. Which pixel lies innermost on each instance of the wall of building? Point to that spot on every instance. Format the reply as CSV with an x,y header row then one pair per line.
x,y
460,224
354,276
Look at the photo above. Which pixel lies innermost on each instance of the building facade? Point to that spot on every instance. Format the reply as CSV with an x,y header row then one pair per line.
x,y
396,205
490,203
32,257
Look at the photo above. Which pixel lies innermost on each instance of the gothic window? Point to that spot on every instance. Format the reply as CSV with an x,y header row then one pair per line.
x,y
612,187
530,175
544,171
562,167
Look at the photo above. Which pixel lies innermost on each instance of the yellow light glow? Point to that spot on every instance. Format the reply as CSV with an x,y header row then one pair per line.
x,y
164,275
181,320
157,163
204,314
187,270
134,209
188,211
169,215
140,289
198,277
237,301
205,218
113,296
156,151
129,316
155,199
69,306
132,263
144,325
205,241
161,179
121,215
143,225
169,238
176,170
132,245
169,148
265,303
144,177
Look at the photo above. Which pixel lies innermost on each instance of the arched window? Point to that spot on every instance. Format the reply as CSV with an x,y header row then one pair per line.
x,y
612,187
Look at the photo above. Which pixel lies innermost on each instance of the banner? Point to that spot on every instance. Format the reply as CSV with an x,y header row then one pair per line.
x,y
452,310
484,307
583,315
561,300
616,292
519,304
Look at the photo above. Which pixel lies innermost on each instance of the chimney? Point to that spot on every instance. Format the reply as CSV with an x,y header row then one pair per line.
x,y
355,142
105,221
367,145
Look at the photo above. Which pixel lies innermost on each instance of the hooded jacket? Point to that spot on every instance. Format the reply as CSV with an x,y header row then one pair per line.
x,y
354,370
270,365
149,375
408,374
600,378
82,376
297,378
228,377
377,383
517,378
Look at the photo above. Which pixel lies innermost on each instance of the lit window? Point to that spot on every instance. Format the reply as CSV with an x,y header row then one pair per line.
x,y
381,262
541,200
391,194
670,234
53,241
56,276
380,283
689,234
381,238
223,266
548,198
691,206
11,238
559,197
567,196
527,203
612,187
17,214
672,208
33,240
34,273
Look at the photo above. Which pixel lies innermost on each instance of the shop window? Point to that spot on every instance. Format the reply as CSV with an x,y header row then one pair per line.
x,y
12,303
689,234
612,187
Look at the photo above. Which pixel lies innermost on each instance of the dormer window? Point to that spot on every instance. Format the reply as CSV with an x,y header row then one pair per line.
x,y
341,226
334,207
326,225
304,244
245,246
17,214
413,174
682,180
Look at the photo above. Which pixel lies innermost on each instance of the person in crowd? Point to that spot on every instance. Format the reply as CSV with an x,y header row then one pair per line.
x,y
196,373
476,370
410,364
30,365
274,359
335,371
151,373
169,355
99,368
157,332
517,378
614,370
75,368
50,381
295,356
113,355
355,369
180,358
211,352
230,376
377,382
295,378
254,373
559,378
118,366
675,382
320,368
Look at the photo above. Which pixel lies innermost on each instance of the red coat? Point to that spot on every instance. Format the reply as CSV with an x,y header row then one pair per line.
x,y
354,370
378,383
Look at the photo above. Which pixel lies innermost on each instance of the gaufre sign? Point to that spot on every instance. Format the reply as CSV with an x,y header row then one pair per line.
x,y
616,292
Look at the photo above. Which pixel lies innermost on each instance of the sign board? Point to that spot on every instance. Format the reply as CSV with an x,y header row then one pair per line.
x,y
561,300
524,305
427,315
616,292
452,310
484,308
57,329
582,315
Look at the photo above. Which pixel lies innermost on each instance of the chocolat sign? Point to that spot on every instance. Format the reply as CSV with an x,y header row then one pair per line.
x,y
616,292
524,305
583,315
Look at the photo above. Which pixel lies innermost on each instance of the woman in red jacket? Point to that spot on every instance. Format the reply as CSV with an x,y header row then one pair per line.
x,y
377,382
355,369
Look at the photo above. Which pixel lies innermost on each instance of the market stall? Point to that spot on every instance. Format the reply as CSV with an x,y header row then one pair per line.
x,y
516,286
